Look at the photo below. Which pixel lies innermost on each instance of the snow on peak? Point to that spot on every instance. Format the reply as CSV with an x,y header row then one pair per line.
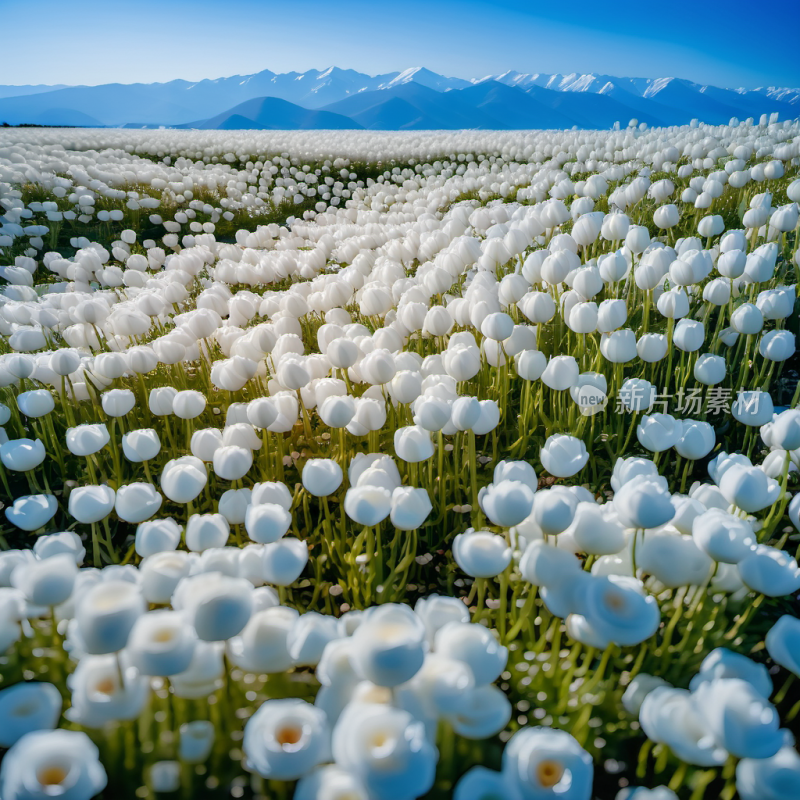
x,y
404,77
657,85
581,83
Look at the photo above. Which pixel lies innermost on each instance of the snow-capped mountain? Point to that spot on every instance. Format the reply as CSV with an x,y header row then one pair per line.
x,y
424,77
782,94
416,97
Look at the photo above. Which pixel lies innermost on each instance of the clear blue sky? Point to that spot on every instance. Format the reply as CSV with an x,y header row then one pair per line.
x,y
729,43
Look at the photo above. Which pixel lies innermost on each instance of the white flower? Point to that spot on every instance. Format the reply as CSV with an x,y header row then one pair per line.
x,y
723,663
272,492
21,455
658,432
159,574
542,763
413,444
32,511
308,636
749,488
284,561
218,606
205,672
367,505
640,686
484,711
543,564
507,502
262,646
36,403
389,645
205,443
722,462
182,479
46,582
481,554
644,502
204,531
440,684
614,609
375,470
774,778
625,469
697,439
266,522
27,707
233,505
724,537
436,611
673,558
196,741
136,502
739,719
156,536
322,476
410,507
481,782
669,716
330,782
386,749
476,646
561,372
783,643
231,462
563,455
554,509
515,471
105,615
596,529
64,764
85,440
65,542
753,408
91,503
161,643
104,691
770,571
188,404
286,739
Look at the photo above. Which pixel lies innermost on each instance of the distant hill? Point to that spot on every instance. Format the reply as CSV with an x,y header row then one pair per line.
x,y
16,91
272,113
65,116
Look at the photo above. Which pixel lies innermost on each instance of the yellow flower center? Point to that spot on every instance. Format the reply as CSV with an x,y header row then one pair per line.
x,y
288,736
379,740
549,773
52,776
106,686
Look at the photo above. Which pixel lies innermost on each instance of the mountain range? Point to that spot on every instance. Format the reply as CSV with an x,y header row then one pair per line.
x,y
414,99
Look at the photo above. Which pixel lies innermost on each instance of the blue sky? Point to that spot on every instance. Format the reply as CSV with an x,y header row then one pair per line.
x,y
100,41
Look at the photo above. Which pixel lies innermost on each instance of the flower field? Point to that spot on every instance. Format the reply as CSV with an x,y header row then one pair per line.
x,y
346,465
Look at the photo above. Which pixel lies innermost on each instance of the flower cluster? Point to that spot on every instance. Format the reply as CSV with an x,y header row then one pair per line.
x,y
324,456
725,712
387,675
